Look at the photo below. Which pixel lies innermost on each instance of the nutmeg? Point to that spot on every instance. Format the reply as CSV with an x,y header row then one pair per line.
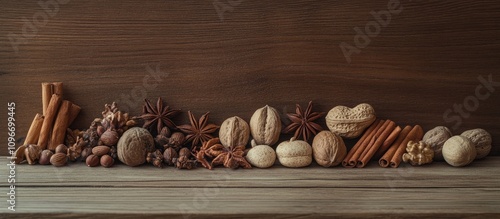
x,y
436,138
100,150
328,149
265,126
350,122
294,153
109,137
234,132
261,156
481,139
92,160
107,161
45,157
134,145
459,151
61,149
59,159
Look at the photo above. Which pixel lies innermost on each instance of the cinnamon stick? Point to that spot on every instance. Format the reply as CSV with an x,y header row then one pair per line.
x,y
388,142
385,160
415,134
60,125
377,140
48,122
374,138
48,89
363,143
46,95
356,147
73,113
34,131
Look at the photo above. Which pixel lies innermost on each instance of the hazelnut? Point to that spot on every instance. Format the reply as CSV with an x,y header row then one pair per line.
x,y
176,140
61,149
234,132
45,157
134,145
100,150
107,161
265,126
350,122
436,138
109,137
92,160
59,159
459,151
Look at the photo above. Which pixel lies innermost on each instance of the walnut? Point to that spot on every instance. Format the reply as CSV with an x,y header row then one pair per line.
x,y
418,153
481,139
294,153
328,149
459,151
265,126
134,145
436,138
234,132
350,123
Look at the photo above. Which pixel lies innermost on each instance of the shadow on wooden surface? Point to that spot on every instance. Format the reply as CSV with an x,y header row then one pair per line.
x,y
427,59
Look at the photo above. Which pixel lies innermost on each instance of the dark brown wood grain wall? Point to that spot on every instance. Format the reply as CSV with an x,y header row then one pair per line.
x,y
231,57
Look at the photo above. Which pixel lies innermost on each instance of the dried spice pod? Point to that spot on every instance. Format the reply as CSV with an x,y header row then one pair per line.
x,y
32,153
303,125
134,145
198,131
155,158
350,122
265,126
328,149
234,131
59,159
20,154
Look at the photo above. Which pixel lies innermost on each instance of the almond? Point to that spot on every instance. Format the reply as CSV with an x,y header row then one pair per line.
x,y
59,159
100,150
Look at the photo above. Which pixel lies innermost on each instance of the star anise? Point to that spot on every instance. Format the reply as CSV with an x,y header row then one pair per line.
x,y
157,117
232,157
303,122
210,149
199,131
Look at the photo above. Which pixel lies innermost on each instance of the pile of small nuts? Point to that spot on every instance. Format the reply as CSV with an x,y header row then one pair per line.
x,y
102,155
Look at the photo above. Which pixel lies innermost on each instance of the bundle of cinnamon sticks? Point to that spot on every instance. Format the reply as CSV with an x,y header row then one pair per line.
x,y
384,140
49,130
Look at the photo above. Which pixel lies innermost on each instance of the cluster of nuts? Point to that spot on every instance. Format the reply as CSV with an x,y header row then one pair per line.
x,y
34,154
101,155
458,150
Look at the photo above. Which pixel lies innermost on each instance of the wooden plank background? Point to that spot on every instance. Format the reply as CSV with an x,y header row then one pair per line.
x,y
427,59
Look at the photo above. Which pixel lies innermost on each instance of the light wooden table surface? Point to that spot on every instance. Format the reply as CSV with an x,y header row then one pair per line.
x,y
78,191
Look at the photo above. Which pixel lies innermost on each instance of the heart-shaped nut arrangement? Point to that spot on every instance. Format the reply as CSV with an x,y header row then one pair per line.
x,y
350,122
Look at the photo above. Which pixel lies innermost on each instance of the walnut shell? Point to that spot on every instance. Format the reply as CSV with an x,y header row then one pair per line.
x,y
265,126
350,123
328,149
294,153
134,145
436,138
459,151
481,139
261,156
234,132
